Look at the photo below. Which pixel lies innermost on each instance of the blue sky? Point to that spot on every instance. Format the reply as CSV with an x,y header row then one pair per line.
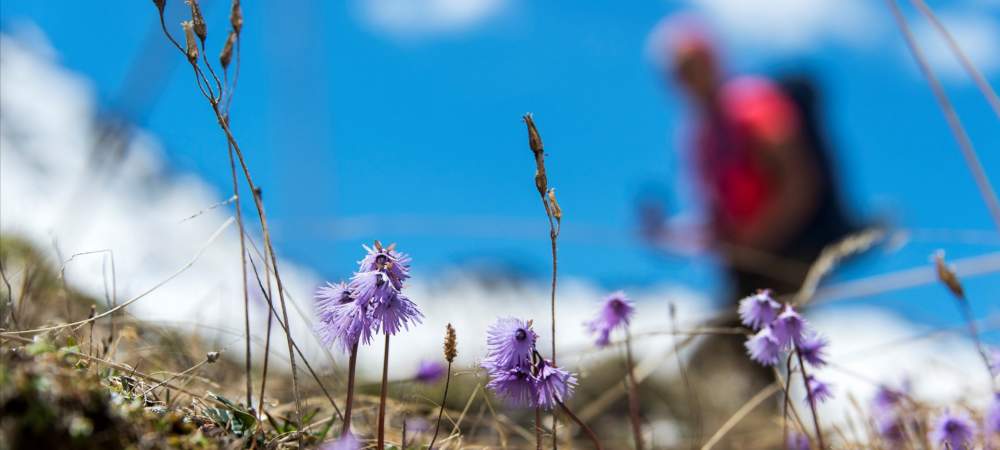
x,y
364,121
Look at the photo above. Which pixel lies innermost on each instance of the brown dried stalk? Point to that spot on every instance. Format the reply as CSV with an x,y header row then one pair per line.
x,y
450,351
554,213
964,143
194,29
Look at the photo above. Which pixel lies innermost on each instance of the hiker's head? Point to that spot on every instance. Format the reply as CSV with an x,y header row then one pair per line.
x,y
695,67
688,56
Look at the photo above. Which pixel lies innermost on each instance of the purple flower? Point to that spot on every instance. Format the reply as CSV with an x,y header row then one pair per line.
x,y
347,441
554,385
788,327
763,347
818,390
396,312
993,416
758,310
394,264
371,287
797,441
813,349
616,311
511,342
515,385
430,372
343,320
886,398
956,430
994,360
889,427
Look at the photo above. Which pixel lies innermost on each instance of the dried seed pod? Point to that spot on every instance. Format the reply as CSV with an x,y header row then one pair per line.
x,y
160,4
535,143
947,276
236,17
450,344
556,210
227,51
192,46
200,29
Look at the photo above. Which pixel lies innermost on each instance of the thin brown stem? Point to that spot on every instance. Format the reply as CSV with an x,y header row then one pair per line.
x,y
352,365
444,398
633,393
812,401
583,426
381,399
243,271
970,319
964,143
258,203
298,351
981,83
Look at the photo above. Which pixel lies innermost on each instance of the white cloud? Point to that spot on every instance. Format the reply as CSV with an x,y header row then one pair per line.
x,y
409,18
787,26
978,35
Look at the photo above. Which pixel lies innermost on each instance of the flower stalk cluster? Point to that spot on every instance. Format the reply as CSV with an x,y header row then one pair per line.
x,y
371,303
780,329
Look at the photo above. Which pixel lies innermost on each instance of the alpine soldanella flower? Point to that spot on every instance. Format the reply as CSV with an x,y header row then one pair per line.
x,y
763,347
758,310
818,391
373,301
956,430
522,377
554,385
343,321
813,349
615,312
517,372
789,327
511,342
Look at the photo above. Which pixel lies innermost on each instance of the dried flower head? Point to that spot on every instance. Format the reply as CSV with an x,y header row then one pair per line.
x,y
535,143
953,429
554,385
198,21
236,17
758,309
947,276
226,56
160,4
763,347
556,210
616,311
450,344
191,47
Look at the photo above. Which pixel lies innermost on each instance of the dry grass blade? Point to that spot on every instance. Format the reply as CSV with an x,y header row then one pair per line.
x,y
747,407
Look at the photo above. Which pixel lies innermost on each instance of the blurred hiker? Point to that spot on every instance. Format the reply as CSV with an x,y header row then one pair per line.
x,y
768,192
762,165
